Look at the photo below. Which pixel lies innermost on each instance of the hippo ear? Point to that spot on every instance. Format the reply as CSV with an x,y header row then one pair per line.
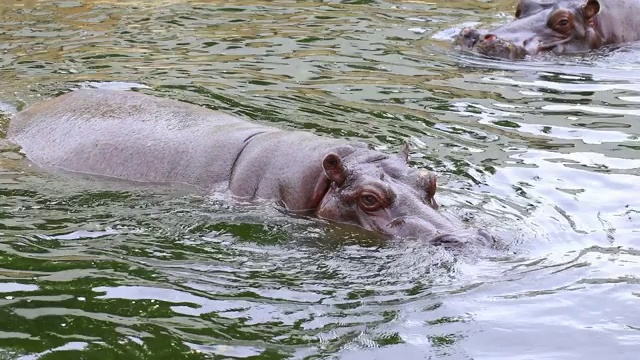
x,y
431,185
335,172
334,168
404,153
590,9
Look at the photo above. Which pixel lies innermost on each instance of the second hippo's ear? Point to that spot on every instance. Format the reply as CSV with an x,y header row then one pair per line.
x,y
334,168
590,9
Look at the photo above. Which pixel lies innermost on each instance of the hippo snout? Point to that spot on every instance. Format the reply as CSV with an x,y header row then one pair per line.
x,y
413,227
475,236
490,44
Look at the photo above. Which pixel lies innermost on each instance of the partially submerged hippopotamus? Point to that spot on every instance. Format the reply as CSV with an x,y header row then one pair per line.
x,y
559,26
133,136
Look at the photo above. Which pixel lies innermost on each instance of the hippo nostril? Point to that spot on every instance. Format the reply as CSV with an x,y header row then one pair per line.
x,y
468,37
490,37
468,31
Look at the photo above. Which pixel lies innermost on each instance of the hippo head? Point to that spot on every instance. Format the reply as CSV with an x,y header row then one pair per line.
x,y
559,26
382,193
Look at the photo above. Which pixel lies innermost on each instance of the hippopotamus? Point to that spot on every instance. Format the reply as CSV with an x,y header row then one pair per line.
x,y
144,138
558,26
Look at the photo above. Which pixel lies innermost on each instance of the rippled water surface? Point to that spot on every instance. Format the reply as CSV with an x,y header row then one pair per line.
x,y
543,152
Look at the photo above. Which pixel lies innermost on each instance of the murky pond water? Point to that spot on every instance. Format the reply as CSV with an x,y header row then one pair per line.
x,y
543,152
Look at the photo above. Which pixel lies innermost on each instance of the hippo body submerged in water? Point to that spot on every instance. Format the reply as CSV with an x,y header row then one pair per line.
x,y
133,136
558,26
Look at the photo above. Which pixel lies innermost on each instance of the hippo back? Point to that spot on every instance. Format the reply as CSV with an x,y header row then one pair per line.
x,y
133,136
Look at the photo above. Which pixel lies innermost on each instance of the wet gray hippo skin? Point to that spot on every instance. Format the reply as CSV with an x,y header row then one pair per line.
x,y
559,26
133,136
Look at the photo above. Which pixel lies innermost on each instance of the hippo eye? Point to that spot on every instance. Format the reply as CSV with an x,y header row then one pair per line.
x,y
563,25
369,201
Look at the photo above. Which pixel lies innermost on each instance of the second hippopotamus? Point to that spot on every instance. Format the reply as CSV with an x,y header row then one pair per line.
x,y
133,136
558,26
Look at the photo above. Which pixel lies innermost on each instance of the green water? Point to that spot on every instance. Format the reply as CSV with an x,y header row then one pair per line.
x,y
543,152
